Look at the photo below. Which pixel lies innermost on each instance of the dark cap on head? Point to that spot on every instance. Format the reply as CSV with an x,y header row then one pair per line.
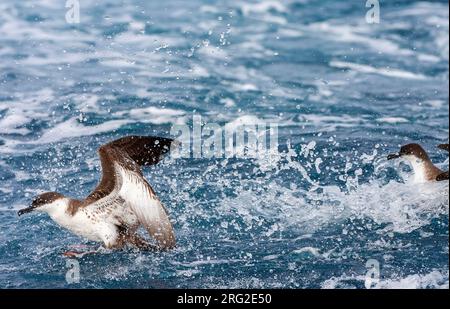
x,y
46,198
42,199
411,150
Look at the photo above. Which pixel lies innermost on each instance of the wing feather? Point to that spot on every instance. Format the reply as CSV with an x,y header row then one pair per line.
x,y
131,152
122,178
144,150
444,147
442,177
139,196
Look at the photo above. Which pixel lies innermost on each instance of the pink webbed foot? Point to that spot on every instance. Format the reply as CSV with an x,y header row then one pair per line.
x,y
79,253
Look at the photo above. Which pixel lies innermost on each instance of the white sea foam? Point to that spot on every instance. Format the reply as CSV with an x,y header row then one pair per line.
x,y
399,207
262,7
244,87
154,115
433,16
310,250
207,262
326,123
437,104
118,63
435,279
209,9
73,128
228,102
24,109
290,32
362,68
213,52
199,71
428,58
358,34
11,123
255,48
392,120
242,121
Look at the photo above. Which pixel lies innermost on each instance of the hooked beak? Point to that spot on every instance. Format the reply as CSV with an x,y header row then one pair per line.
x,y
394,156
25,210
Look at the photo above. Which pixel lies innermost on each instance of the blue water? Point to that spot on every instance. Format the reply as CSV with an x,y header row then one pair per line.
x,y
344,93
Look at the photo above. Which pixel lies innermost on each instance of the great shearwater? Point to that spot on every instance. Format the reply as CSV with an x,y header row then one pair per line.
x,y
122,201
424,169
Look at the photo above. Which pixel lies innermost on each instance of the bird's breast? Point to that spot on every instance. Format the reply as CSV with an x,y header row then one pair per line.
x,y
80,224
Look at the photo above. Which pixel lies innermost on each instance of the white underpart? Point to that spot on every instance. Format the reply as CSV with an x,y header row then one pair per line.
x,y
79,223
419,167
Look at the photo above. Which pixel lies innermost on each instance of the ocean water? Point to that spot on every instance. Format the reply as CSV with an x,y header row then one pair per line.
x,y
344,93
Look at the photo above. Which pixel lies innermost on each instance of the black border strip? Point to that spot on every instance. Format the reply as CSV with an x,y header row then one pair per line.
x,y
151,298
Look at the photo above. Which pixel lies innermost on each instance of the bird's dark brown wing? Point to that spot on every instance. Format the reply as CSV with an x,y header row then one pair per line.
x,y
130,152
442,177
443,147
144,150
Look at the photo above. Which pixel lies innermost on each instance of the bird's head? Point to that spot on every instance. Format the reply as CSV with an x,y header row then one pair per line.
x,y
45,202
410,152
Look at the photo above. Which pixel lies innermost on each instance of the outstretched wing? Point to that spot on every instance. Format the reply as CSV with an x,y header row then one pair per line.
x,y
131,152
144,150
122,179
140,197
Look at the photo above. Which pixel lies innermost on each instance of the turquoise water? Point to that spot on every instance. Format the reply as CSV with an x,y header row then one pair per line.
x,y
344,94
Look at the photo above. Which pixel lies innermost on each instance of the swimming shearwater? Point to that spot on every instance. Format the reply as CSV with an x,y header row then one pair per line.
x,y
424,169
122,201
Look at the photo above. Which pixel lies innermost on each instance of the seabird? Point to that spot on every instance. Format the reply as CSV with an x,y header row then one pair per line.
x,y
424,169
122,201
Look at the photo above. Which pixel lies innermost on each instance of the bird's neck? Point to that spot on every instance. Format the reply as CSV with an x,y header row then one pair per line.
x,y
73,206
424,170
58,211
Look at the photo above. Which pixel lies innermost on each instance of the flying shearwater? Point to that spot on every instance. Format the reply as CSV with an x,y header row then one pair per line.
x,y
122,201
424,169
